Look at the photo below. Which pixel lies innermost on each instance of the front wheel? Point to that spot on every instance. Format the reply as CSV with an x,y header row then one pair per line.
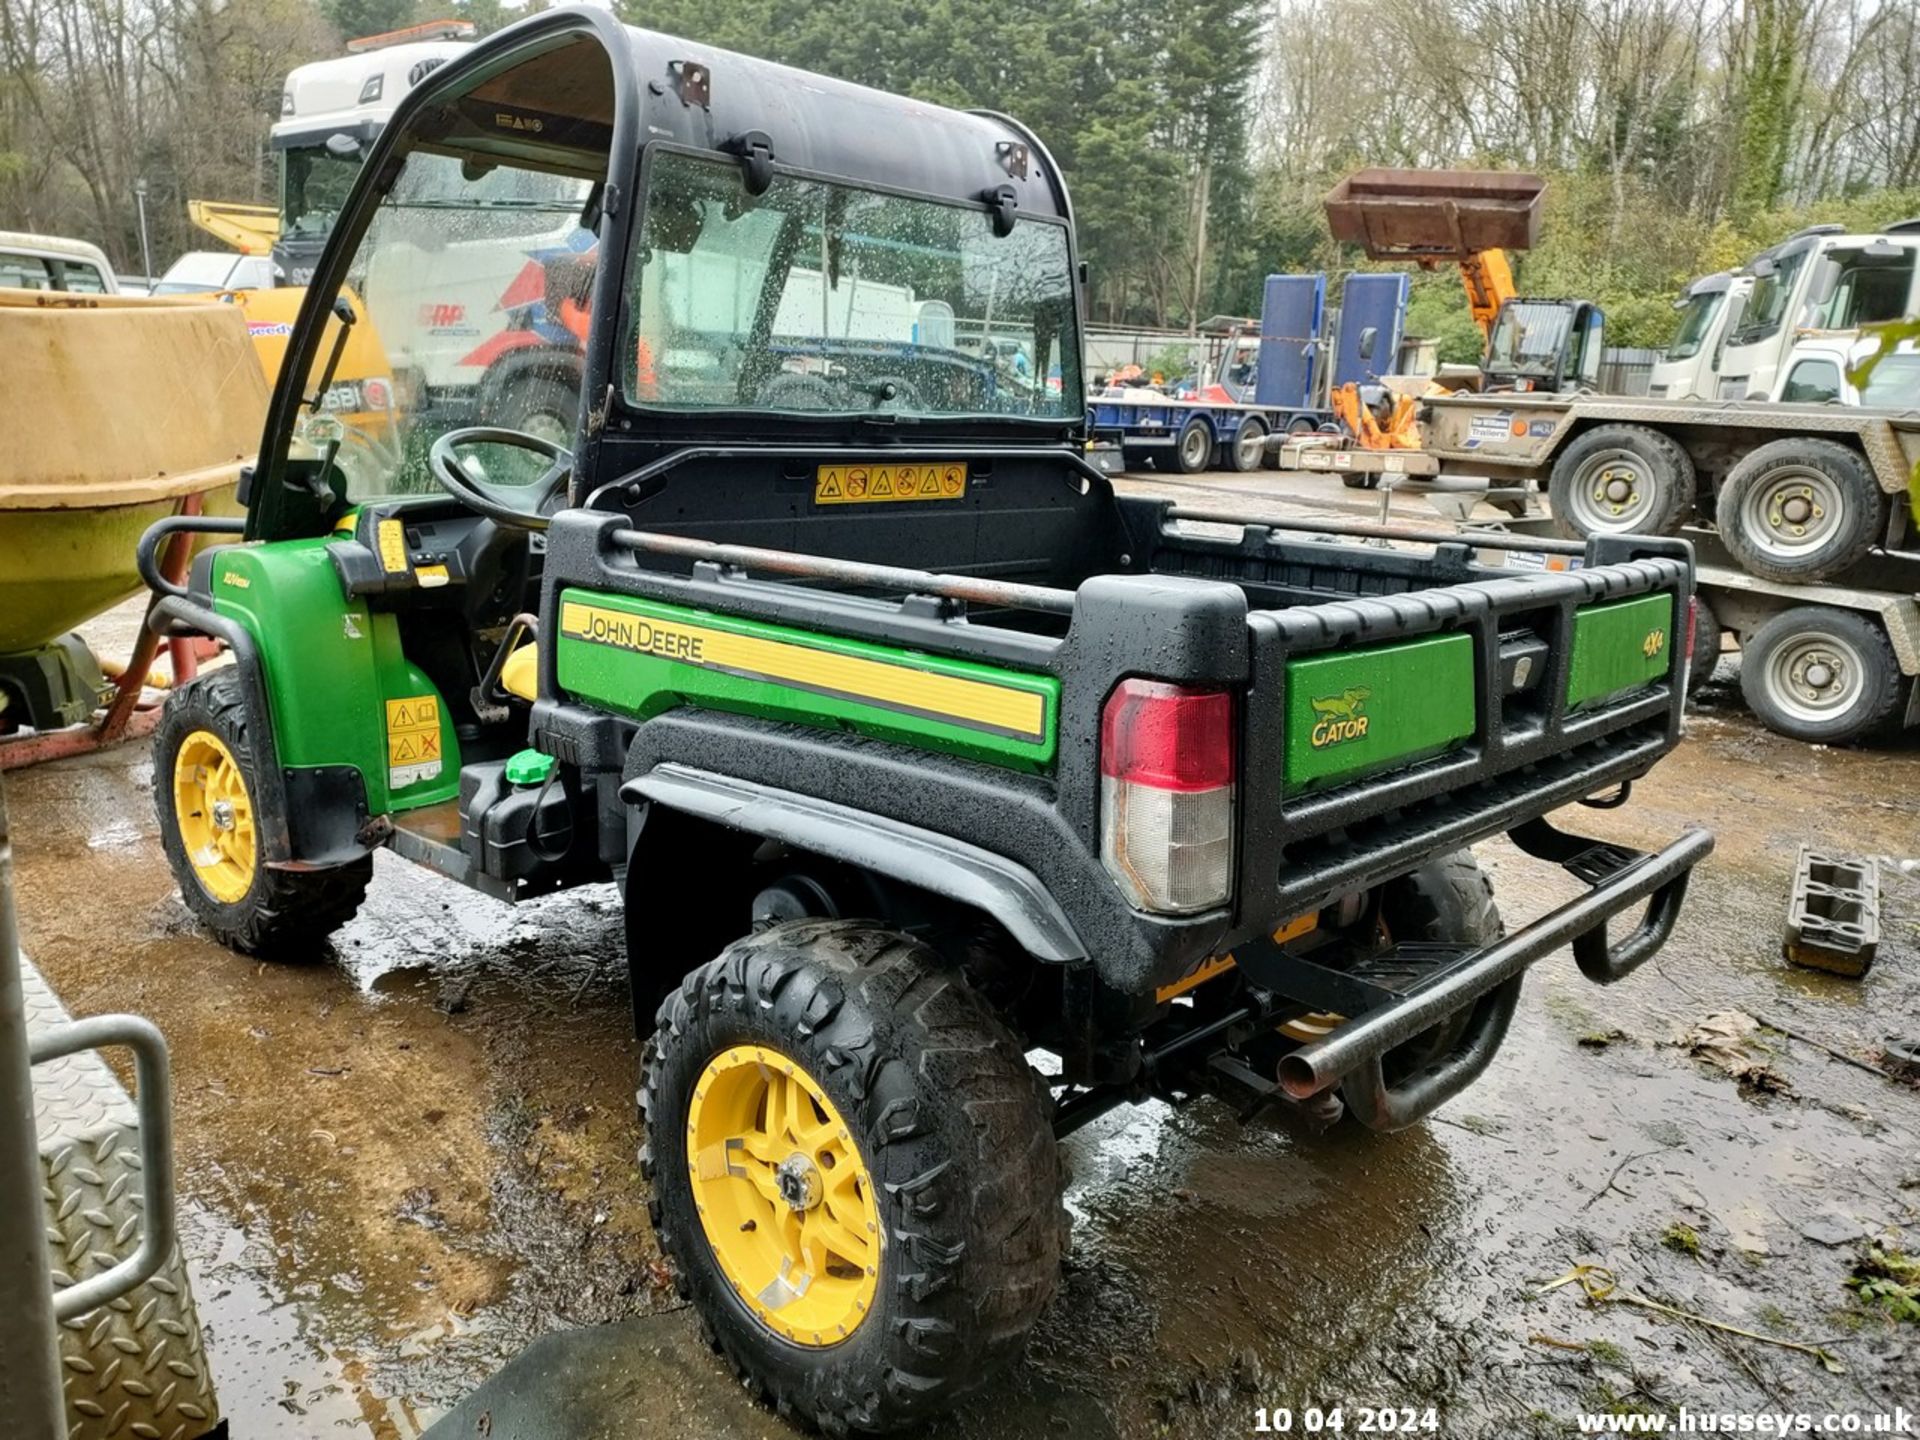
x,y
1621,480
1819,674
212,807
853,1172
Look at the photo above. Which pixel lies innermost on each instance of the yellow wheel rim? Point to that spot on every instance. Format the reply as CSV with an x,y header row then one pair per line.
x,y
215,815
784,1196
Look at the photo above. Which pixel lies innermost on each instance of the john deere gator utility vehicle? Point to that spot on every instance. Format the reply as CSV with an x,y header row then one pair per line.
x,y
916,751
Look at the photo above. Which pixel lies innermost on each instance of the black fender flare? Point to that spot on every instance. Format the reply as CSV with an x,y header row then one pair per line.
x,y
962,872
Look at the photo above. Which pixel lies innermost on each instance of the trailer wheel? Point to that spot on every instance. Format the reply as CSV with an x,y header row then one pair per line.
x,y
1800,509
853,1173
541,405
1249,445
206,789
1706,645
1820,674
1193,452
1621,480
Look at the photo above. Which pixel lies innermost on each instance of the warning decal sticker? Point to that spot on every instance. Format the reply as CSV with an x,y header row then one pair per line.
x,y
413,740
879,484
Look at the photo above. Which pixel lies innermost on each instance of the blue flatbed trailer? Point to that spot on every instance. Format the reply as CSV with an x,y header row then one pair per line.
x,y
1194,435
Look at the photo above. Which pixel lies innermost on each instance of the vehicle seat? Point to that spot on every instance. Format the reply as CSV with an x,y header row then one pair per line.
x,y
520,675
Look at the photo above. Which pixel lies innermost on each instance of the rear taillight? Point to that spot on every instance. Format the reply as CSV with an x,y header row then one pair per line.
x,y
1166,795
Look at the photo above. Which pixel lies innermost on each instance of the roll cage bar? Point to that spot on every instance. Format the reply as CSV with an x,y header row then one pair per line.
x,y
271,499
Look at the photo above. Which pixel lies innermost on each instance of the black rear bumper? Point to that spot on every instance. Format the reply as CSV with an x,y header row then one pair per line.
x,y
1385,1010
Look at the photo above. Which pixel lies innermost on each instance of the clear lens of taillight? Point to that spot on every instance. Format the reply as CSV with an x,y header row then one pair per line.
x,y
1166,795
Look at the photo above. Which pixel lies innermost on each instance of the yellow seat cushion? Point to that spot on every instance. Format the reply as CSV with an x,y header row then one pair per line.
x,y
521,674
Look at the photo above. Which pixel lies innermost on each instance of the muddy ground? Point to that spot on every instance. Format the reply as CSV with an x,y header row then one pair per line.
x,y
401,1166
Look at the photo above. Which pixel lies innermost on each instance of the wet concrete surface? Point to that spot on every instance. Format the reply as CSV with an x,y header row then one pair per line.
x,y
402,1166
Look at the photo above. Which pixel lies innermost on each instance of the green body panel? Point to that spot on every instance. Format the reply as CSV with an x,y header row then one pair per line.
x,y
620,672
332,667
1361,711
1619,647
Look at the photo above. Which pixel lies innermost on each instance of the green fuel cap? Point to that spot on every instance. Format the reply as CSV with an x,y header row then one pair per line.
x,y
529,767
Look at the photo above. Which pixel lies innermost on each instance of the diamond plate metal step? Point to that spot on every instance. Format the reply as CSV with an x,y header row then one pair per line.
x,y
133,1367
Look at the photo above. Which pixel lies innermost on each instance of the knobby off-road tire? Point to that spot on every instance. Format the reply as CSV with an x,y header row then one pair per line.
x,y
1448,901
1801,509
210,803
935,1104
1621,480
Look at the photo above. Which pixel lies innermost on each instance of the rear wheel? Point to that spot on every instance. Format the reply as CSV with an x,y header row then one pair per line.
x,y
1800,509
1621,480
1249,446
212,810
1193,451
853,1172
1446,901
1820,674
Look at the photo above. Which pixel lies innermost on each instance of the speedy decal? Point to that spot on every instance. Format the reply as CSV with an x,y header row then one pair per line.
x,y
978,704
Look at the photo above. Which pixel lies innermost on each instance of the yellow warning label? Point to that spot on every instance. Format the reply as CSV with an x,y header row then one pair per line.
x,y
413,739
879,484
393,547
979,703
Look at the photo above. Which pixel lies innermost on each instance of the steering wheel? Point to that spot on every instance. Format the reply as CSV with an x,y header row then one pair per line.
x,y
476,495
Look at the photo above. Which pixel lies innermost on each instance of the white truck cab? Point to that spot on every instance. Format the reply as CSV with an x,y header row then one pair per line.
x,y
1819,371
51,262
330,112
1709,308
1819,279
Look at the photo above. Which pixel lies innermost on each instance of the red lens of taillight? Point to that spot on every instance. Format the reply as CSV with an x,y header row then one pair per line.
x,y
1167,737
1166,795
1693,620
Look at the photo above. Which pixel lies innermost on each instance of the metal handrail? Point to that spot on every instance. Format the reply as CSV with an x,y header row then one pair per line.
x,y
1373,530
1006,593
154,1107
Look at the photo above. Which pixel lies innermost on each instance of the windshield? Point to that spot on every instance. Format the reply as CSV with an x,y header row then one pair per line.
x,y
1894,384
313,186
824,299
1767,306
1862,288
1529,338
1696,319
469,283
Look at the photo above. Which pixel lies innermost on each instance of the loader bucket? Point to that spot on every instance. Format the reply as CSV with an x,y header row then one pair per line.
x,y
1435,214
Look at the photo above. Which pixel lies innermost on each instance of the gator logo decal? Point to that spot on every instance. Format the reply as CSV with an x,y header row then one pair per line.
x,y
1339,718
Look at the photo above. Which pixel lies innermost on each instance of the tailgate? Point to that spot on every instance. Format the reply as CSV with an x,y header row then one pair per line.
x,y
1385,729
